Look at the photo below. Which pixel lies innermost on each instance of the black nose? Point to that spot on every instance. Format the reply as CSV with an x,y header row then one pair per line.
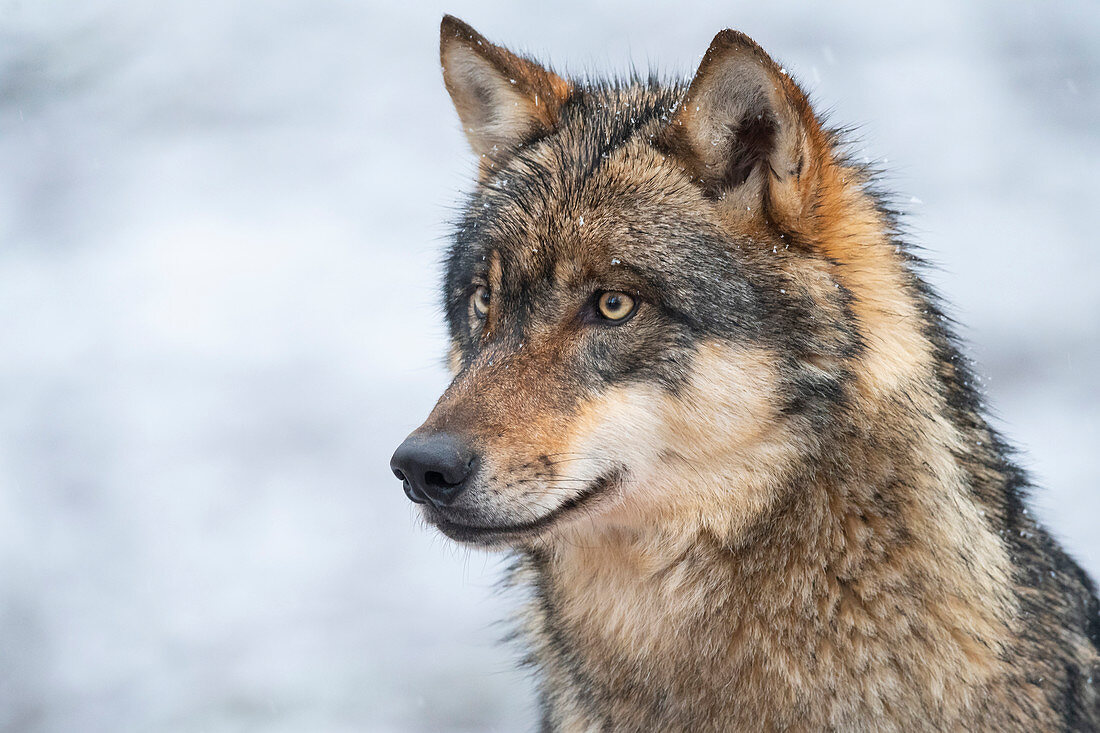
x,y
433,467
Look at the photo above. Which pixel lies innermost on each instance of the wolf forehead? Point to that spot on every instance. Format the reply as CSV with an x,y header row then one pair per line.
x,y
562,181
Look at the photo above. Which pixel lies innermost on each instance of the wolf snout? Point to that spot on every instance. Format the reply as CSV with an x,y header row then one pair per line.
x,y
433,467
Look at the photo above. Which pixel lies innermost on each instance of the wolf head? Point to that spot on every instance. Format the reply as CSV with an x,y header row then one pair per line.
x,y
656,296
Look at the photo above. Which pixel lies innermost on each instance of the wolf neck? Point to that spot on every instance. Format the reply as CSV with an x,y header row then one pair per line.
x,y
874,586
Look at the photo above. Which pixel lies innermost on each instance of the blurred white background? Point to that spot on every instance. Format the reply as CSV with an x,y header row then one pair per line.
x,y
220,228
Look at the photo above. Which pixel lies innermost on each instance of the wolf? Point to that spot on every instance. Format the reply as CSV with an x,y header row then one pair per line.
x,y
704,396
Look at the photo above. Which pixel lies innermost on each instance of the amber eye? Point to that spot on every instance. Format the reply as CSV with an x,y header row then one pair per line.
x,y
615,306
481,299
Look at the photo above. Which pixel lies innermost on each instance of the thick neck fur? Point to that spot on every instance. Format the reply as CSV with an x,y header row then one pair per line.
x,y
873,591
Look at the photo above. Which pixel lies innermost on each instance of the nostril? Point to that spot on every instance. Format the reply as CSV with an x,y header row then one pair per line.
x,y
413,493
436,480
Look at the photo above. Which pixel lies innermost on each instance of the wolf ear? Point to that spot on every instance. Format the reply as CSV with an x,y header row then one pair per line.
x,y
747,133
503,100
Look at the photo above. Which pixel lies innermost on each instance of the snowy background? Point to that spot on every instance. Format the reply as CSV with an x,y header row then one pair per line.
x,y
219,232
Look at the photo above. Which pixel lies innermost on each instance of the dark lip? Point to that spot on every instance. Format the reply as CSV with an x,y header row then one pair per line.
x,y
493,534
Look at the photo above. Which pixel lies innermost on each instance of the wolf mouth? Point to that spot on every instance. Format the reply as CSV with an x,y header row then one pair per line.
x,y
488,534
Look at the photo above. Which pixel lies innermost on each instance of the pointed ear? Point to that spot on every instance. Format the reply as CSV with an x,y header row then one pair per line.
x,y
747,132
503,100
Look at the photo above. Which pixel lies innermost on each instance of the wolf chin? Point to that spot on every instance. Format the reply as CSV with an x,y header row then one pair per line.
x,y
703,395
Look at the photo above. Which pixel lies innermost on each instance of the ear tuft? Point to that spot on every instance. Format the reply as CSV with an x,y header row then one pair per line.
x,y
503,100
747,132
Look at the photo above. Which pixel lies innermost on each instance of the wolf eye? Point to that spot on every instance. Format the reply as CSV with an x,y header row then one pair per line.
x,y
481,299
615,306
